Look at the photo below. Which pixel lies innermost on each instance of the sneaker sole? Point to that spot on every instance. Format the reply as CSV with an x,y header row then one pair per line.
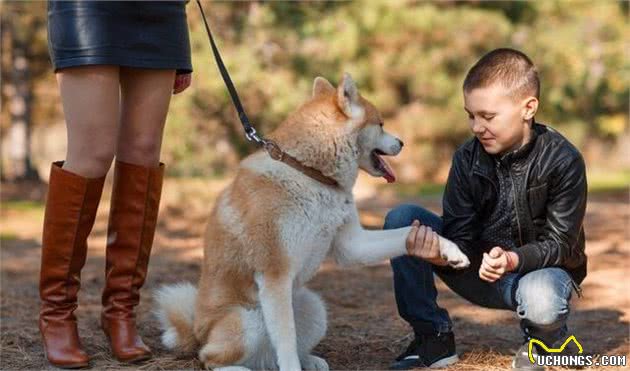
x,y
445,361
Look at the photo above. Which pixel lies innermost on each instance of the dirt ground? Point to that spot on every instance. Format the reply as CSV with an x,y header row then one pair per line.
x,y
364,331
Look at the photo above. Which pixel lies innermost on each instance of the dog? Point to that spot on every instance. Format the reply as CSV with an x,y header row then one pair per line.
x,y
270,230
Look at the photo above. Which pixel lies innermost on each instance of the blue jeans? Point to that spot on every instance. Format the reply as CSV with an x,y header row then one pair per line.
x,y
540,298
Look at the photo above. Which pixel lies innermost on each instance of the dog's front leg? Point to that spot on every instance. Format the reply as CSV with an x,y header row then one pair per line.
x,y
276,297
354,245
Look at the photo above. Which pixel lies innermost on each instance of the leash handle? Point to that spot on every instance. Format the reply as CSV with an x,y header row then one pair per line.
x,y
250,132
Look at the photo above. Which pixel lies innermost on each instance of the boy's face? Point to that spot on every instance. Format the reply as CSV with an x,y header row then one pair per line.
x,y
498,120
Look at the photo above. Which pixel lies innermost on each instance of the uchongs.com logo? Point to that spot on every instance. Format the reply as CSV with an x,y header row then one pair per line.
x,y
554,357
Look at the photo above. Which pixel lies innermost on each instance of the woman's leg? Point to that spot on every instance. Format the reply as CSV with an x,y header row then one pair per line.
x,y
90,99
91,104
134,206
146,95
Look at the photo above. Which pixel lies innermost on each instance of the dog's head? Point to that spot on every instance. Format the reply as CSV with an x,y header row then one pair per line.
x,y
338,130
362,118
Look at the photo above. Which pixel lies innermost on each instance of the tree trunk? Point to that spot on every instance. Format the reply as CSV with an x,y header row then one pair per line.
x,y
20,105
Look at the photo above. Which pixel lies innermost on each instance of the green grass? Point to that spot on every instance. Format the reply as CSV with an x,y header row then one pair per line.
x,y
600,181
23,205
8,236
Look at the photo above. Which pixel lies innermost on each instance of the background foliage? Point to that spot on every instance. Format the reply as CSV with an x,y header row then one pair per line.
x,y
408,57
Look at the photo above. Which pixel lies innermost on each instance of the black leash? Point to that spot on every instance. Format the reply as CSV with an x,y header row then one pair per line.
x,y
274,151
250,132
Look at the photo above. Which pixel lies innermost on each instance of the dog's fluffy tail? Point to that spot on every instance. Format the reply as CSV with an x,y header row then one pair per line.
x,y
175,312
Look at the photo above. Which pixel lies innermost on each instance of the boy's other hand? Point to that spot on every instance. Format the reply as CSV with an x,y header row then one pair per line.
x,y
496,263
424,243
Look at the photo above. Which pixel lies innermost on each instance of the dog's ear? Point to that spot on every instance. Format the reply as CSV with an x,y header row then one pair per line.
x,y
348,97
321,86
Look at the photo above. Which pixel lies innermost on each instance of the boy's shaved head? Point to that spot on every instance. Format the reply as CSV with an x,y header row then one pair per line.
x,y
509,67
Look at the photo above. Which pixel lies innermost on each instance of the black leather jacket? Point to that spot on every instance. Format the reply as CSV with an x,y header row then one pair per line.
x,y
548,179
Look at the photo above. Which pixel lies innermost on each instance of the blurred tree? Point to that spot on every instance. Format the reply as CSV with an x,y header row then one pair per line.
x,y
409,57
22,25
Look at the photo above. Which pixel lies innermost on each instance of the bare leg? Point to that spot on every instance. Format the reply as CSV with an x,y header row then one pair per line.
x,y
146,94
90,96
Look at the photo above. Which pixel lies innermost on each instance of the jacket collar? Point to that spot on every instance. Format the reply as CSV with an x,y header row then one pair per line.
x,y
484,162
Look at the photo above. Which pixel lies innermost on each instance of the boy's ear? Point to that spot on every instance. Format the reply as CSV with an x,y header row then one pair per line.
x,y
348,97
321,86
530,108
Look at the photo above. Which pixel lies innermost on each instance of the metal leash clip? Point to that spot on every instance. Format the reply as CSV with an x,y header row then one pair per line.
x,y
251,135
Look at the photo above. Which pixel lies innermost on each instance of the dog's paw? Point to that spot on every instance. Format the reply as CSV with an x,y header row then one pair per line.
x,y
314,363
454,256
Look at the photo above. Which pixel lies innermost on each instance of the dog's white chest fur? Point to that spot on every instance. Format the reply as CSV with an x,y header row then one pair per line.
x,y
308,226
310,236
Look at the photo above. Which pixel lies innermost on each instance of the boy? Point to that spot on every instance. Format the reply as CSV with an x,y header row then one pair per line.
x,y
514,203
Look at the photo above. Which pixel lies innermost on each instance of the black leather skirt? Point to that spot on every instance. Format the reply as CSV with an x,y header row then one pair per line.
x,y
143,34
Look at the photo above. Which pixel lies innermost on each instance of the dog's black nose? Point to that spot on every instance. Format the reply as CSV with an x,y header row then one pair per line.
x,y
401,143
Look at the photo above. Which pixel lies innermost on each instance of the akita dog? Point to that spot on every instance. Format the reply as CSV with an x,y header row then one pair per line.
x,y
270,230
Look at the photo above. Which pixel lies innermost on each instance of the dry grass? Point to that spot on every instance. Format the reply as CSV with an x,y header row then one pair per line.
x,y
364,332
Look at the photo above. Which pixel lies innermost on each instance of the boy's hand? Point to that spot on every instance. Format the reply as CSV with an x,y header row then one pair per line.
x,y
496,263
181,83
424,243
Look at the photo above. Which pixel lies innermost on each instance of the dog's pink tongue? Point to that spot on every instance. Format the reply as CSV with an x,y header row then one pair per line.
x,y
389,172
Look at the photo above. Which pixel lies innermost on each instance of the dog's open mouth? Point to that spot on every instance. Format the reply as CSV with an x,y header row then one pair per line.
x,y
382,166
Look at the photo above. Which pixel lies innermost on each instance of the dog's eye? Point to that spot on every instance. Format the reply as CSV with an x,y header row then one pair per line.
x,y
380,124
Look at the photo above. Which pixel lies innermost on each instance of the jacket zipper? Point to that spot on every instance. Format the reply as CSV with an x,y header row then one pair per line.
x,y
496,190
518,222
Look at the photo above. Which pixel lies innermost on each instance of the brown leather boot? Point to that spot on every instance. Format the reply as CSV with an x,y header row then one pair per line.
x,y
132,220
71,207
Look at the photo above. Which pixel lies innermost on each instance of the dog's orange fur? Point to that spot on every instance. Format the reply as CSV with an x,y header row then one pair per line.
x,y
227,277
